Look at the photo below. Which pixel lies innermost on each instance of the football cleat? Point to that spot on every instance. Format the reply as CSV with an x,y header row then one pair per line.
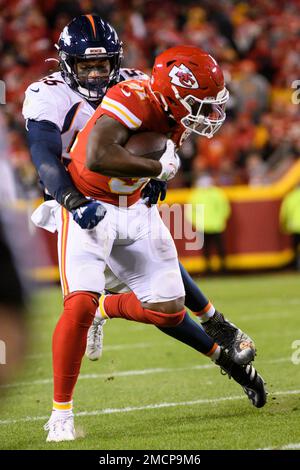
x,y
94,343
247,376
237,343
60,428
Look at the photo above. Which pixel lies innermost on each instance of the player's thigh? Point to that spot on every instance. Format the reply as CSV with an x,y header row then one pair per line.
x,y
82,253
149,266
113,283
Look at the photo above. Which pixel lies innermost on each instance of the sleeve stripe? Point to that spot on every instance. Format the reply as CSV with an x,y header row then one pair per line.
x,y
120,106
122,112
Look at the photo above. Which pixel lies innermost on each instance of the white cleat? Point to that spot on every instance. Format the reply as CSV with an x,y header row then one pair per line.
x,y
61,428
94,343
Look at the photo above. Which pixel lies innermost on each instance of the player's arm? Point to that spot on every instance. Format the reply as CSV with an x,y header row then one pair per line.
x,y
45,144
106,153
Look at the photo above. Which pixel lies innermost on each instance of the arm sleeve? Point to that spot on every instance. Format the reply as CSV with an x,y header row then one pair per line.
x,y
45,144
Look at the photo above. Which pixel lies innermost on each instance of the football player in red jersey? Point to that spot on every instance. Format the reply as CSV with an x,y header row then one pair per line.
x,y
186,94
55,109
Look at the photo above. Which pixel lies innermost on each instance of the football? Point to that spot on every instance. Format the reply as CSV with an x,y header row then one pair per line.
x,y
147,145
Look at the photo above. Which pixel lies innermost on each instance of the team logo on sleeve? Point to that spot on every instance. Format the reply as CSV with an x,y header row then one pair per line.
x,y
182,76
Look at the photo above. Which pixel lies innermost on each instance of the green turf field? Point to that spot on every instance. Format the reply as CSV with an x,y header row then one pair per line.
x,y
150,392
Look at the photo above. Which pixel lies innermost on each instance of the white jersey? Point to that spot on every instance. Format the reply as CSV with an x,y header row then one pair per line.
x,y
51,99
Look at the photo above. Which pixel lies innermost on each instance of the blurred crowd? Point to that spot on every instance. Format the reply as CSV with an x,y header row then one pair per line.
x,y
257,43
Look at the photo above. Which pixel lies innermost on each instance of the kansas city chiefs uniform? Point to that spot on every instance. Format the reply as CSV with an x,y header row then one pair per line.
x,y
134,105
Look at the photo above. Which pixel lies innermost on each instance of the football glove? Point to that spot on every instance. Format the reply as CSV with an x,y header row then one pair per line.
x,y
170,162
89,214
86,212
154,191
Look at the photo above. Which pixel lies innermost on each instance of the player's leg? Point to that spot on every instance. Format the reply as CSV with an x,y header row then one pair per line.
x,y
82,255
238,344
94,345
151,270
184,329
95,337
149,266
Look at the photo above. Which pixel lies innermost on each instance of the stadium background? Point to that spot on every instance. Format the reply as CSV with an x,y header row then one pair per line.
x,y
254,156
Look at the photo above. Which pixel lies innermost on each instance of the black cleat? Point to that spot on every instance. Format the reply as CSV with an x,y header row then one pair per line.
x,y
247,376
238,345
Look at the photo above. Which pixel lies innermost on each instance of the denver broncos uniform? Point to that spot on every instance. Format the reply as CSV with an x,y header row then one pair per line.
x,y
51,99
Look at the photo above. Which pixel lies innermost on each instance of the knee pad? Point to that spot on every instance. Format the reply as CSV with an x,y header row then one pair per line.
x,y
164,319
80,307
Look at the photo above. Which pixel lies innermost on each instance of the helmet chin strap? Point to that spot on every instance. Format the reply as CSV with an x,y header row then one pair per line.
x,y
166,107
177,96
161,100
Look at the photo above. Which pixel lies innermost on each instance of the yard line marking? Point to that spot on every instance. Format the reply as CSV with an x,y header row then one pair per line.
x,y
116,347
154,406
279,301
276,361
291,446
125,373
264,316
128,373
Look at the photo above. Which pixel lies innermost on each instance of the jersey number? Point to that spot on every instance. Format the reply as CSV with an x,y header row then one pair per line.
x,y
125,186
50,80
139,90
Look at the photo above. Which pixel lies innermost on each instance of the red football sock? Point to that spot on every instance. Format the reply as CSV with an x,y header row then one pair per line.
x,y
69,342
129,307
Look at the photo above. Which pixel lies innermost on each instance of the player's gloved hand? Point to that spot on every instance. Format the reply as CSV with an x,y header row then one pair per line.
x,y
170,162
154,191
86,212
89,214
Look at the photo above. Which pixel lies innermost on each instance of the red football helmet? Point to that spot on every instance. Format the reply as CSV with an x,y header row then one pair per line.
x,y
191,87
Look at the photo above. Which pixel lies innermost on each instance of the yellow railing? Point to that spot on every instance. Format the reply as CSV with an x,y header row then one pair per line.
x,y
247,193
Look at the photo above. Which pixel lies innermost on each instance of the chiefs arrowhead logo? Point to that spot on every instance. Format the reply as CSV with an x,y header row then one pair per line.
x,y
182,76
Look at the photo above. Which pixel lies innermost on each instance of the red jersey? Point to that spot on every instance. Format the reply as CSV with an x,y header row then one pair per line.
x,y
132,104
